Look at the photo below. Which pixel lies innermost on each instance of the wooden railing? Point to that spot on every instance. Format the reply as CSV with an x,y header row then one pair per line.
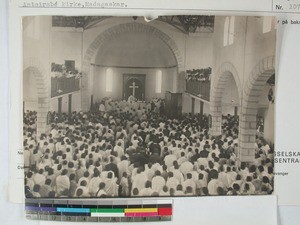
x,y
64,85
197,88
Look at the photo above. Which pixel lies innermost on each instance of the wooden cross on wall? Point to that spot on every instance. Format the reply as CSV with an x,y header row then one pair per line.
x,y
133,87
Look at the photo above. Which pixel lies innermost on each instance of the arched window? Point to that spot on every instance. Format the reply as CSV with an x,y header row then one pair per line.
x,y
275,23
226,31
109,79
158,81
33,27
229,30
267,24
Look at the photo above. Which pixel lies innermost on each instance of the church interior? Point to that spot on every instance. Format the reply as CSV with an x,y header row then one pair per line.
x,y
118,106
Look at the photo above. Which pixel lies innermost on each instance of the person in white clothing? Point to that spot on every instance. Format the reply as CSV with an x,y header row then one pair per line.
x,y
158,182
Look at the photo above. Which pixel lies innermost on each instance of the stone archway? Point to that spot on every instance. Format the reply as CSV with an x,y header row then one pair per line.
x,y
218,85
112,33
34,67
252,91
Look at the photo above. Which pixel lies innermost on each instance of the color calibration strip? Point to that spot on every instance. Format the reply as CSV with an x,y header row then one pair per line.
x,y
90,210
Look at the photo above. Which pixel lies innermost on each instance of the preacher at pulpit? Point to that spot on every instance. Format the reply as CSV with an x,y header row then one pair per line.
x,y
131,99
102,107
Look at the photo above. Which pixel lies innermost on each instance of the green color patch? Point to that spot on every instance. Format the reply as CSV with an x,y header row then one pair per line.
x,y
107,210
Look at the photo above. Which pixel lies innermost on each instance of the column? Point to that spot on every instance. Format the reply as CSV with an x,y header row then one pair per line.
x,y
269,123
201,109
175,82
193,106
236,110
216,121
85,91
70,106
247,135
42,113
92,103
59,106
216,118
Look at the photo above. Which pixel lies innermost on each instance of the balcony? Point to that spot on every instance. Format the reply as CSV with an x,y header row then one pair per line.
x,y
64,85
199,88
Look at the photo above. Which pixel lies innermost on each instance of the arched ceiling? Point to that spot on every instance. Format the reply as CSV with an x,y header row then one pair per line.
x,y
135,50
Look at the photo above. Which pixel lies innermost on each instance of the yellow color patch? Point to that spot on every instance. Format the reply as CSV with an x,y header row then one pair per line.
x,y
133,210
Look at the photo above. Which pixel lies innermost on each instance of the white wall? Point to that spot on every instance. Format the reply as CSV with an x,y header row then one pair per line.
x,y
36,45
198,51
234,53
99,82
30,97
66,44
36,39
250,45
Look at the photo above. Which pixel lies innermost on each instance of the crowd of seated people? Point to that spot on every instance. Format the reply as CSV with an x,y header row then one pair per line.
x,y
126,149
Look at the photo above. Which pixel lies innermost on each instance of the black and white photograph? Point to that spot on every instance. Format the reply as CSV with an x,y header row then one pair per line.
x,y
173,106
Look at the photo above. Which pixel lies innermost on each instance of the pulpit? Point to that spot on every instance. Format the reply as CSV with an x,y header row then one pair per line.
x,y
173,104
